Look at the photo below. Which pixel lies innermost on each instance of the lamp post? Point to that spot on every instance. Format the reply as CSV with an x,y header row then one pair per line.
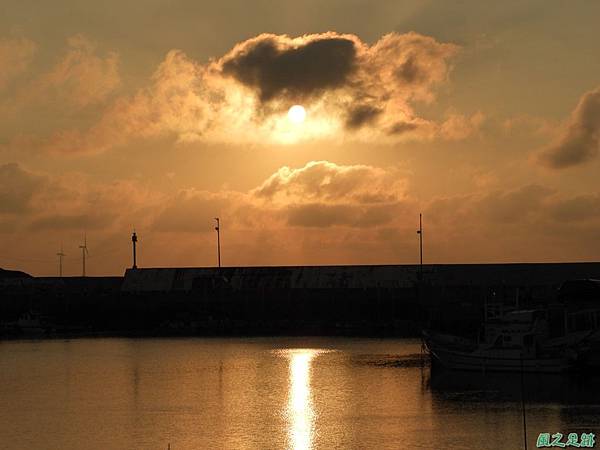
x,y
134,240
420,233
218,230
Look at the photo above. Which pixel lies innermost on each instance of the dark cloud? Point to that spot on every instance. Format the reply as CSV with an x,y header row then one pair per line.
x,y
515,205
581,139
410,71
296,72
17,188
391,73
402,127
496,209
581,207
362,115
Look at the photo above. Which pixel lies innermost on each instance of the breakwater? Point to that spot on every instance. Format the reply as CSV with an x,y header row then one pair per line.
x,y
386,300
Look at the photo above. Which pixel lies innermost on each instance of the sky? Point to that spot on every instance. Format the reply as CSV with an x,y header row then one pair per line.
x,y
161,115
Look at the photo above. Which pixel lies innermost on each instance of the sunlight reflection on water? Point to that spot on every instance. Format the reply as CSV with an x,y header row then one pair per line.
x,y
300,413
271,393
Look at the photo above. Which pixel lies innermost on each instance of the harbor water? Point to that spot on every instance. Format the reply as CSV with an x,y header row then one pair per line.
x,y
272,393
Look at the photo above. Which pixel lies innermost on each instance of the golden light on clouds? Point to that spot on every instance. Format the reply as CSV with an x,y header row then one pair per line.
x,y
341,88
313,148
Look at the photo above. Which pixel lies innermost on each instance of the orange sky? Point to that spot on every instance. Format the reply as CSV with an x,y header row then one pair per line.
x,y
164,115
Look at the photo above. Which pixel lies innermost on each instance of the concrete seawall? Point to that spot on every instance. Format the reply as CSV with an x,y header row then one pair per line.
x,y
354,300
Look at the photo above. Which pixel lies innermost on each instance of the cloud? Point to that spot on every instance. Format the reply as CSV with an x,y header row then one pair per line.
x,y
18,188
497,208
82,75
355,81
353,212
577,209
43,202
324,194
529,124
515,217
580,139
321,212
294,69
319,194
360,115
15,56
80,79
512,206
458,127
174,104
193,211
323,215
328,182
349,89
402,127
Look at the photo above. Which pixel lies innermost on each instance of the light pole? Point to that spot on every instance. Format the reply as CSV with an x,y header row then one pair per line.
x,y
420,233
218,230
134,240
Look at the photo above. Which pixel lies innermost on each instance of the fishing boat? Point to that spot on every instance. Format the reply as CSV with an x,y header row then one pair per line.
x,y
516,341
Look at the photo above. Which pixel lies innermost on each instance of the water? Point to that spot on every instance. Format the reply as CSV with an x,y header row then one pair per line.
x,y
269,393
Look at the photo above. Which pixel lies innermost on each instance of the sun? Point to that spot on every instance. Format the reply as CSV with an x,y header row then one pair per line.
x,y
297,114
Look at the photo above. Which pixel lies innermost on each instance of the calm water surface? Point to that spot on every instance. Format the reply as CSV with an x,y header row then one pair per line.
x,y
269,393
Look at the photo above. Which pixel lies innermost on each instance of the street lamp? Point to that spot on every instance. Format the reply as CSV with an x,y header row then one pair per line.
x,y
218,230
420,233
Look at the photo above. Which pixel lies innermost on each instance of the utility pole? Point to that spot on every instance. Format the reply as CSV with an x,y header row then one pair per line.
x,y
84,252
134,242
218,230
420,233
60,258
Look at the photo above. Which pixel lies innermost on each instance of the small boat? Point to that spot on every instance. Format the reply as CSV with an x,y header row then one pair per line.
x,y
517,341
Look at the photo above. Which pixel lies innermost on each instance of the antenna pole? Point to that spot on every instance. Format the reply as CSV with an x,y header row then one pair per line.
x,y
134,242
420,233
218,230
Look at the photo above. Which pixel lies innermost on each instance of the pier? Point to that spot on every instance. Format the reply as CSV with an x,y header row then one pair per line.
x,y
381,300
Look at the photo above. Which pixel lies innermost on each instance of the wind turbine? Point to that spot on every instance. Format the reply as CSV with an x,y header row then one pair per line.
x,y
84,252
60,257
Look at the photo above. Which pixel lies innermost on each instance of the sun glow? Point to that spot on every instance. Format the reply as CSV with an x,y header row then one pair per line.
x,y
297,114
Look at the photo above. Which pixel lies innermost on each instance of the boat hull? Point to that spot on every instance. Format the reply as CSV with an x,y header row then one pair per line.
x,y
475,361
